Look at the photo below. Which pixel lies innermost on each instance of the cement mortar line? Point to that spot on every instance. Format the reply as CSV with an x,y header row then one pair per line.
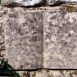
x,y
38,9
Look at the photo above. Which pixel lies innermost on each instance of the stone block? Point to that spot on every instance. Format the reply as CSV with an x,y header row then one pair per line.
x,y
23,38
45,38
60,40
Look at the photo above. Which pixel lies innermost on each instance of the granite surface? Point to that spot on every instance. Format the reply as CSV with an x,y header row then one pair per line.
x,y
40,38
21,2
23,38
60,40
54,73
60,2
48,73
2,38
36,2
38,73
52,2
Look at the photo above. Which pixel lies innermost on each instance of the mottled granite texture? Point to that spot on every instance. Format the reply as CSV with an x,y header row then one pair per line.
x,y
2,39
21,2
58,2
38,73
23,38
53,73
52,2
36,2
60,40
48,73
40,38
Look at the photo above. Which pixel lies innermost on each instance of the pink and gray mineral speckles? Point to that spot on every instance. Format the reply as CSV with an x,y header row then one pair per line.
x,y
52,2
21,2
23,38
43,38
60,40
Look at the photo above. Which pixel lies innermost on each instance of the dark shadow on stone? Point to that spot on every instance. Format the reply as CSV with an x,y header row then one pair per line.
x,y
58,3
6,69
12,5
27,69
41,4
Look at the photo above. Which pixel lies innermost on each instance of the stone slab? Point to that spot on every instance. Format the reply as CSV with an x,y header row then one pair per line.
x,y
45,38
23,38
60,40
57,2
21,2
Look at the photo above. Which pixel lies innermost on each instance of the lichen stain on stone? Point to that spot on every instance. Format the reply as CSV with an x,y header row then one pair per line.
x,y
75,72
34,74
50,73
70,8
26,74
